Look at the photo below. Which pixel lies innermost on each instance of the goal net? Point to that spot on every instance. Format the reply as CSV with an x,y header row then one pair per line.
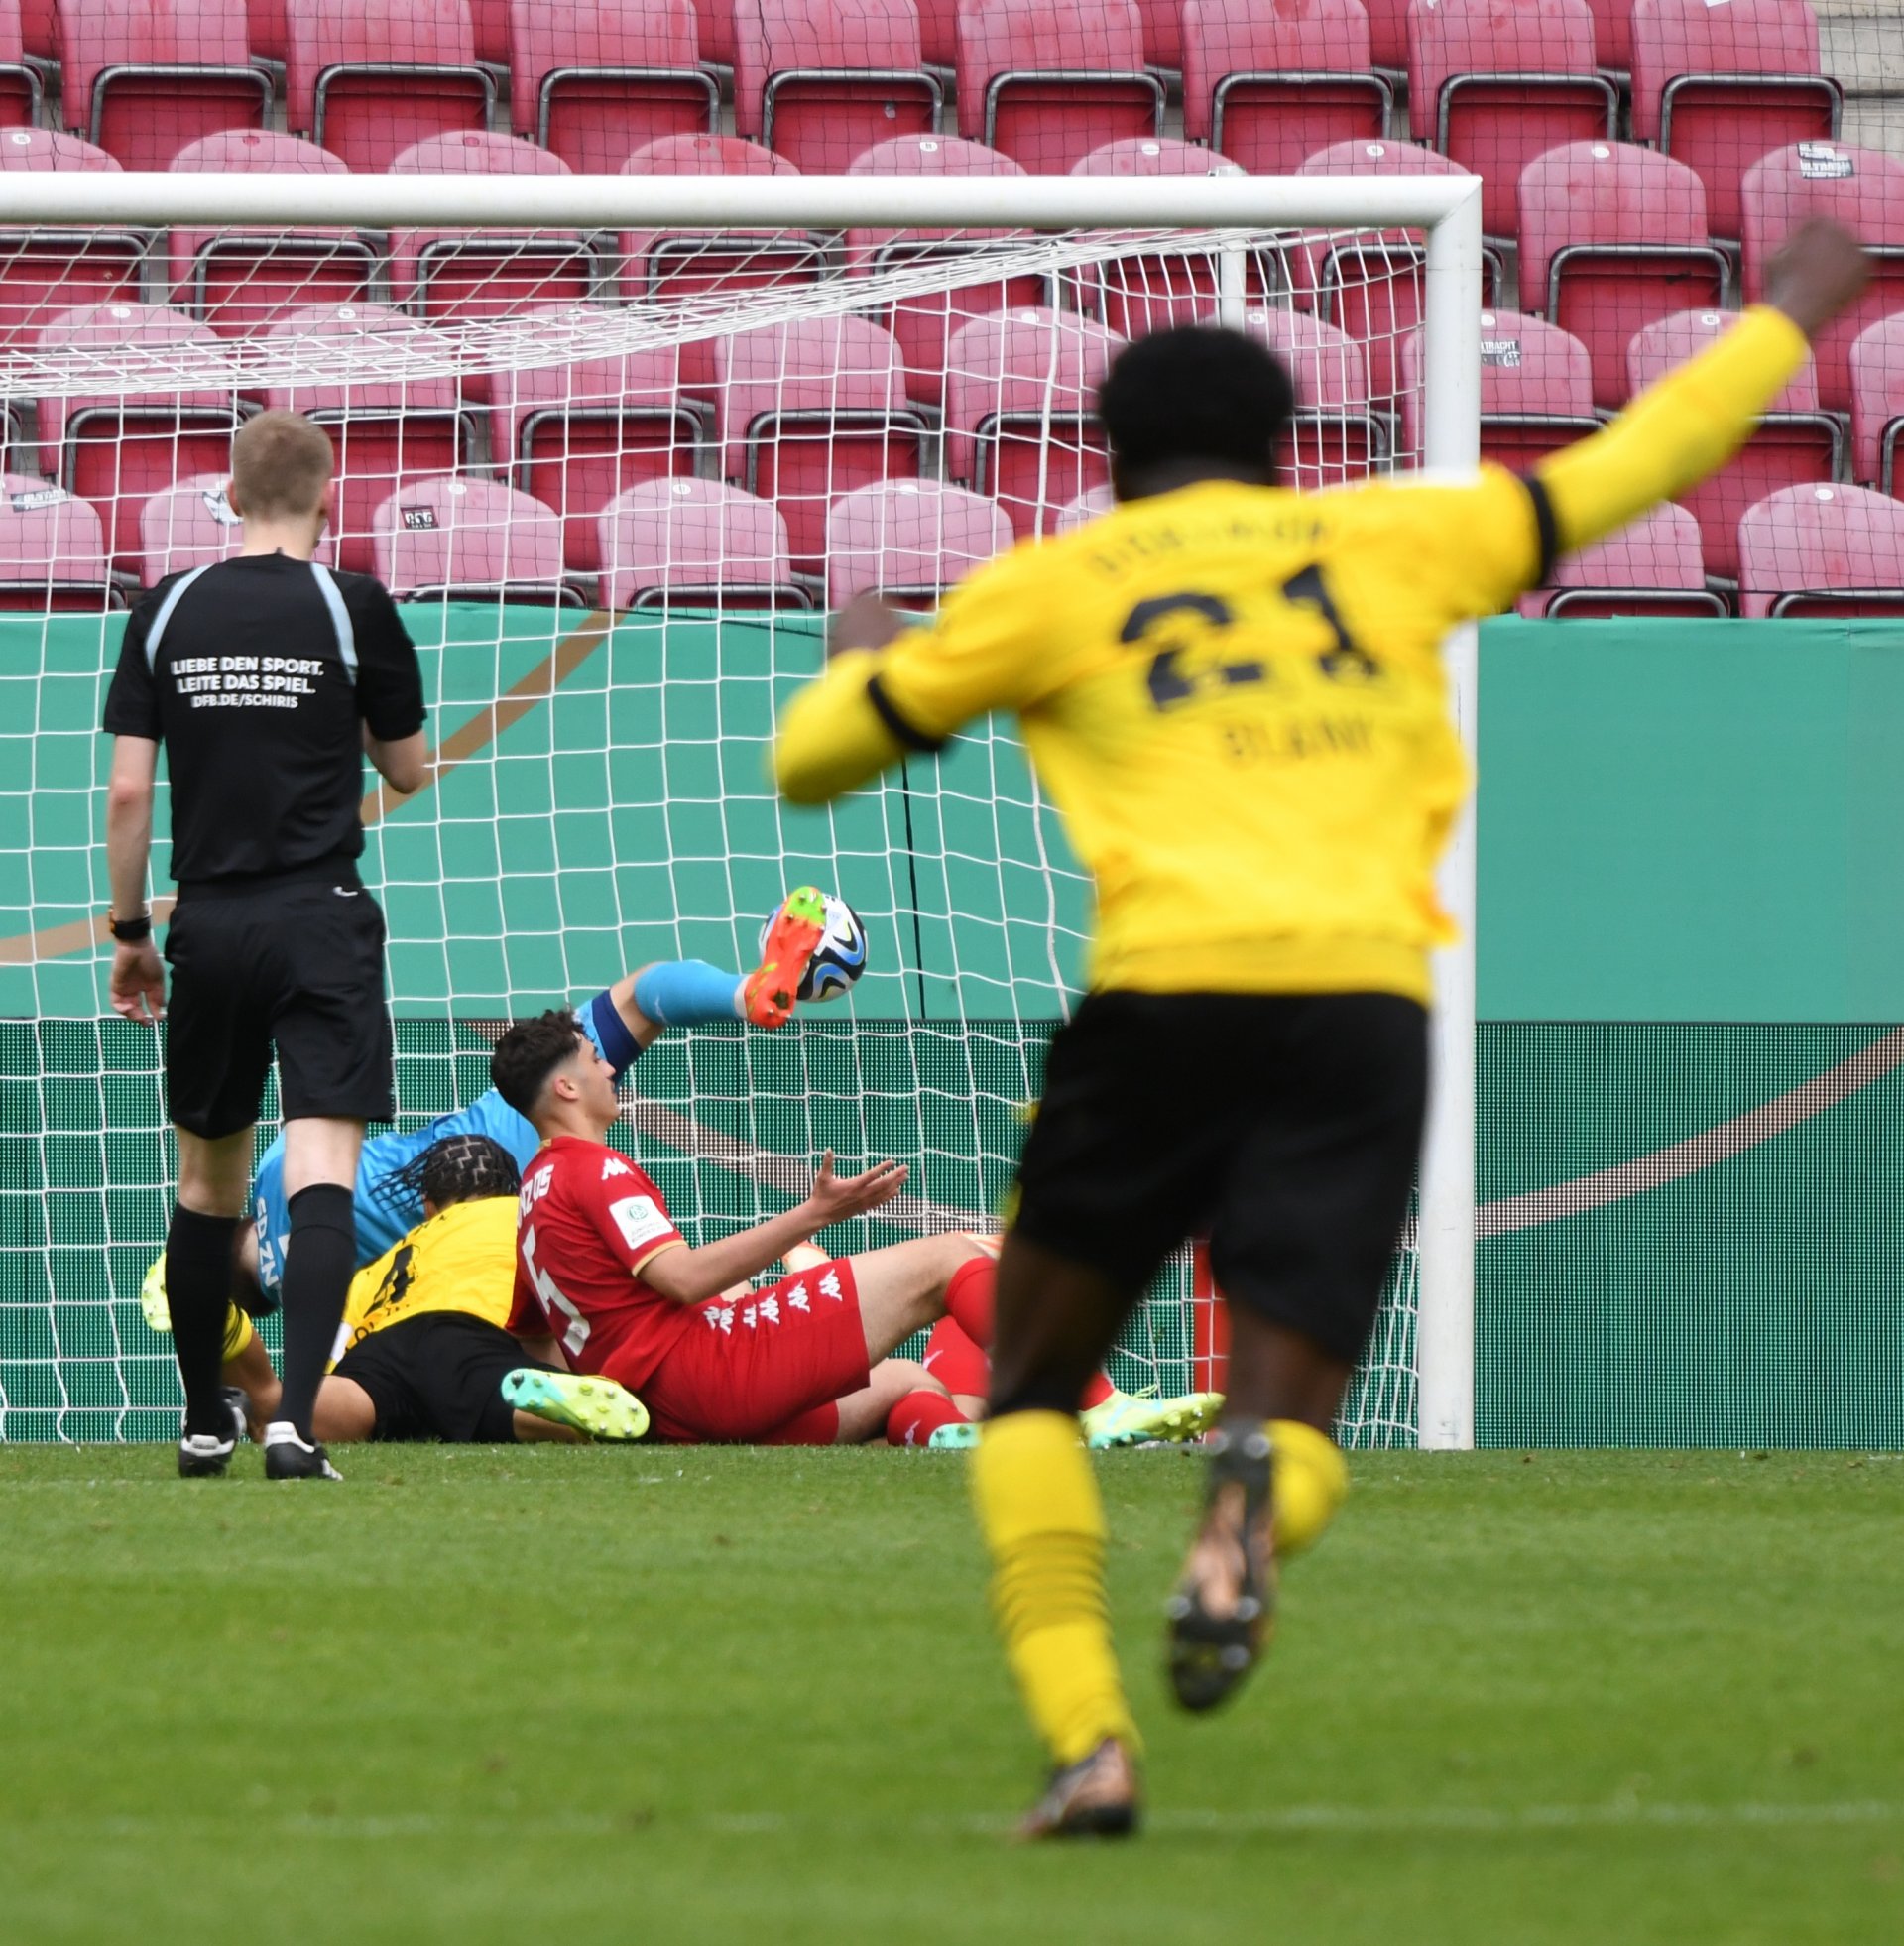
x,y
617,464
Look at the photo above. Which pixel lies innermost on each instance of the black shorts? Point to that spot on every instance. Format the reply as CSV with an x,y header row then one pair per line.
x,y
438,1375
1284,1126
301,965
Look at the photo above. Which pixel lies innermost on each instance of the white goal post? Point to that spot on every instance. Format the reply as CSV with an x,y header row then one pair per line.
x,y
1227,215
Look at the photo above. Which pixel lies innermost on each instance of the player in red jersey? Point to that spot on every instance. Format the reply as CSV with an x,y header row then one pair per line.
x,y
805,1361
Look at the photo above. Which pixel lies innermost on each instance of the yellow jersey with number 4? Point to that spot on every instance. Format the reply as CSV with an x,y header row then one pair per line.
x,y
462,1259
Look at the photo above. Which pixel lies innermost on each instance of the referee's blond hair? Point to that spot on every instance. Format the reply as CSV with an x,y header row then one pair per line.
x,y
281,464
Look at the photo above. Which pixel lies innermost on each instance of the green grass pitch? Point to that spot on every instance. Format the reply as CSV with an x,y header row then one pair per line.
x,y
718,1696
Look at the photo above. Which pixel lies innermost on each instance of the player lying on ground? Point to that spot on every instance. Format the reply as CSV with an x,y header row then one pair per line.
x,y
1233,694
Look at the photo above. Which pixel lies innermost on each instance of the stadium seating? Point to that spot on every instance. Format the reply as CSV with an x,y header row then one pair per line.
x,y
717,31
1877,404
267,31
467,540
924,325
1794,445
241,282
1388,36
1652,568
368,79
596,82
47,271
459,274
192,525
1536,389
119,444
696,542
1719,86
1020,427
143,82
1085,508
1822,551
52,551
19,83
1494,83
574,435
908,539
1860,187
380,383
808,411
1049,80
1268,82
820,81
1613,35
1612,237
1371,286
1333,437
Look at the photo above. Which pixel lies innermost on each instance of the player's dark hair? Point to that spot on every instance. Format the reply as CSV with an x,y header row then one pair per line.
x,y
1193,398
461,1168
528,1054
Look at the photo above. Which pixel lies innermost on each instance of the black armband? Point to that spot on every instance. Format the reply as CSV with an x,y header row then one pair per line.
x,y
908,735
132,931
1546,528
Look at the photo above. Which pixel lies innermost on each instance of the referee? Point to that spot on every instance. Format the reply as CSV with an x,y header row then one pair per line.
x,y
1234,695
267,677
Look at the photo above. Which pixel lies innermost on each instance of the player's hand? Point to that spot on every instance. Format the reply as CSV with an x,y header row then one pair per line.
x,y
835,1197
1816,273
138,985
866,622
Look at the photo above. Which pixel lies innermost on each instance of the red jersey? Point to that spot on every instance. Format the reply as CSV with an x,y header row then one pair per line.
x,y
589,1220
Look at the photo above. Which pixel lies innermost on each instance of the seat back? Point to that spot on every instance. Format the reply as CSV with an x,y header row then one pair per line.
x,y
52,550
1537,388
1151,292
1314,83
821,82
596,82
204,81
1862,189
1084,508
908,537
1877,403
50,149
45,272
1655,564
192,525
1816,548
454,534
694,538
1333,437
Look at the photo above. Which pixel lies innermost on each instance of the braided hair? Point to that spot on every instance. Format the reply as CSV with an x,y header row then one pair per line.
x,y
459,1169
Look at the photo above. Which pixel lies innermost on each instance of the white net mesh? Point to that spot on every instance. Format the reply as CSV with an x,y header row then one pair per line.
x,y
614,479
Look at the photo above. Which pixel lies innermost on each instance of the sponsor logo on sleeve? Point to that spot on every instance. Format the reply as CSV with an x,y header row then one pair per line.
x,y
641,1220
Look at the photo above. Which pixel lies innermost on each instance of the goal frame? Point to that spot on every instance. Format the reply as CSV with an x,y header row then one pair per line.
x,y
1446,208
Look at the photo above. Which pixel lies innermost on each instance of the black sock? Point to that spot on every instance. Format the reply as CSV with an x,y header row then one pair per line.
x,y
319,1261
198,1291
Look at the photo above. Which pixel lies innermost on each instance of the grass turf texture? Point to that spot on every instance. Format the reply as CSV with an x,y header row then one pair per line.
x,y
719,1695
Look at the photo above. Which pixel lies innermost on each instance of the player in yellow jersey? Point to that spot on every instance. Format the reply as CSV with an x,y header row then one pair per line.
x,y
1233,694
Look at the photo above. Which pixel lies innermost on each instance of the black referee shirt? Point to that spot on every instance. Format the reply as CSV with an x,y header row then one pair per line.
x,y
254,675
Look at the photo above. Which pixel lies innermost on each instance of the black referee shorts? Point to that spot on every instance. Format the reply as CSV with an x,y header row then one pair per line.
x,y
1284,1126
301,965
438,1375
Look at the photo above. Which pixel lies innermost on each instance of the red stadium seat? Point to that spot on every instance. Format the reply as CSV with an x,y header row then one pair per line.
x,y
40,28
924,325
1085,508
1877,403
379,382
596,82
1334,439
1652,568
465,539
459,274
1612,34
1494,83
811,410
1020,424
1794,445
908,539
821,82
52,551
717,31
1268,82
1536,389
119,444
19,83
52,149
1859,187
143,82
1719,86
368,79
1612,237
241,282
1389,35
1049,80
490,19
1822,551
192,525
1371,287
575,436
697,543
47,271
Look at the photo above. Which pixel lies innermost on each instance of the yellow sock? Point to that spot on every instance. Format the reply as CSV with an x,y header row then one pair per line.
x,y
1310,1481
238,1333
1043,1523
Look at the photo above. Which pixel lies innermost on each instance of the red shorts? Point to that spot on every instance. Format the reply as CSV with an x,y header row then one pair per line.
x,y
763,1371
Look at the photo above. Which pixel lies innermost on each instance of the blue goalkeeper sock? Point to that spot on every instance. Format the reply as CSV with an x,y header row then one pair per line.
x,y
688,993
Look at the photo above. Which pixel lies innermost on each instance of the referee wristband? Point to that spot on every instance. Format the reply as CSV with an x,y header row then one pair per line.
x,y
129,932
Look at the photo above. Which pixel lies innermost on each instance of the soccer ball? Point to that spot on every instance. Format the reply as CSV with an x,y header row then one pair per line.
x,y
840,957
